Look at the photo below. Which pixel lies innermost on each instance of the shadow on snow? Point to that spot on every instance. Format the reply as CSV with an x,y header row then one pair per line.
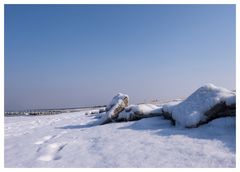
x,y
164,128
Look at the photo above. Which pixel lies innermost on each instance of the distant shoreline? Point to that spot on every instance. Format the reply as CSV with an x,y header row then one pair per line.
x,y
48,109
37,112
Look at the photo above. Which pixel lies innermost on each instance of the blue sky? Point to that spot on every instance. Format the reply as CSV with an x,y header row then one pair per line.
x,y
81,55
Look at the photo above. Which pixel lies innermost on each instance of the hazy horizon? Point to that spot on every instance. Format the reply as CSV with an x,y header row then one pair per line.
x,y
59,56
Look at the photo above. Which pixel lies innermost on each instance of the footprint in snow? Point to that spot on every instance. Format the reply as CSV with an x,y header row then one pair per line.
x,y
51,152
44,139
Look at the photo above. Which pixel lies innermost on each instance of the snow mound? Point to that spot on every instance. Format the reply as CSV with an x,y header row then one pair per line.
x,y
191,111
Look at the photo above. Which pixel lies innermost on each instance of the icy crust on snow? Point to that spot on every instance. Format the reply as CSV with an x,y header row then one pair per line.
x,y
191,111
141,109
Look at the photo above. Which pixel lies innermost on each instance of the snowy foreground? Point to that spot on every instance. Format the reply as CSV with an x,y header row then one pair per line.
x,y
200,132
68,140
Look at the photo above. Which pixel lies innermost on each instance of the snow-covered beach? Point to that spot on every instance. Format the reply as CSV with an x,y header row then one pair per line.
x,y
71,140
78,139
66,140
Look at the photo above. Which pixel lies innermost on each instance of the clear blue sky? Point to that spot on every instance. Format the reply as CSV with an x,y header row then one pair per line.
x,y
81,55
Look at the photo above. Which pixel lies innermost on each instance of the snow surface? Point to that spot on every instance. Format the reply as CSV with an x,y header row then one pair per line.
x,y
191,111
70,140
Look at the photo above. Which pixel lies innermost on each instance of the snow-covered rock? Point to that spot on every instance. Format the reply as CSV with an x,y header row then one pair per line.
x,y
135,112
167,109
204,104
118,99
117,105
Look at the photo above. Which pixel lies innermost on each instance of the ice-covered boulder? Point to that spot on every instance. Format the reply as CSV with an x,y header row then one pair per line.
x,y
206,103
